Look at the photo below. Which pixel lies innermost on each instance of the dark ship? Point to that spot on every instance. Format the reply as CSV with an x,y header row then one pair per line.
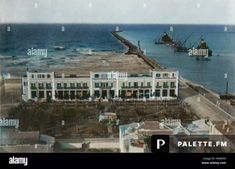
x,y
203,45
180,46
202,51
165,39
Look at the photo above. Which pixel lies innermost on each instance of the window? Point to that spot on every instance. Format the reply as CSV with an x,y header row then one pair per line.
x,y
41,94
59,85
172,84
172,93
158,75
72,85
41,85
149,84
65,85
129,84
48,85
173,75
97,93
135,84
43,76
165,75
164,93
78,84
157,93
96,84
96,75
142,84
33,86
165,84
32,76
104,76
123,84
158,85
33,94
84,84
48,76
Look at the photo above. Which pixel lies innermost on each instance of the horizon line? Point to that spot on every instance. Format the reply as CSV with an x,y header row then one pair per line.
x,y
115,23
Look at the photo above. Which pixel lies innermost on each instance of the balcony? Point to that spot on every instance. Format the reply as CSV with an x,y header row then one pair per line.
x,y
165,86
105,87
41,87
48,87
59,87
33,88
158,87
134,87
173,86
165,77
82,87
73,87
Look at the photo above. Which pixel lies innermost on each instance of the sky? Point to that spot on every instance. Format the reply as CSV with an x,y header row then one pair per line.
x,y
118,11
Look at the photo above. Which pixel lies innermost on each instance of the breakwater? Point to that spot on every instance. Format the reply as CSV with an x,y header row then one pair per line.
x,y
132,49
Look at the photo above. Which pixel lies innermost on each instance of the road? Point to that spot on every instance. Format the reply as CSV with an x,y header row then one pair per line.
x,y
10,95
205,104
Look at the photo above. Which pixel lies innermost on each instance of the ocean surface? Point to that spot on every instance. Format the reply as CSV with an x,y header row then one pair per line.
x,y
78,40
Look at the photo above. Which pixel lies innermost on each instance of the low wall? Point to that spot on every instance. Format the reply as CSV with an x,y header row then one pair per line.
x,y
47,139
36,148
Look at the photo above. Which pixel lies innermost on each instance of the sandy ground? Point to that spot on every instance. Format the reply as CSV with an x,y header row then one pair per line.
x,y
83,64
107,62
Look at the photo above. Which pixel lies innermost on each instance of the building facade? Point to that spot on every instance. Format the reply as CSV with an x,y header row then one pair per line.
x,y
160,85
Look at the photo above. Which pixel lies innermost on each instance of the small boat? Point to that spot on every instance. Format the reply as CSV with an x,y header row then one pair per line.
x,y
59,48
225,29
117,29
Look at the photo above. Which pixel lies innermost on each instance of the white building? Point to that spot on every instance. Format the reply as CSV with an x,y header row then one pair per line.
x,y
160,85
132,136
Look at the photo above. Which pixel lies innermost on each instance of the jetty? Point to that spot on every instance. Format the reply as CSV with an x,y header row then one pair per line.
x,y
132,49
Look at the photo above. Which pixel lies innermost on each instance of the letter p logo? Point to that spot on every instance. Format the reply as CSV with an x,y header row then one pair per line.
x,y
160,144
